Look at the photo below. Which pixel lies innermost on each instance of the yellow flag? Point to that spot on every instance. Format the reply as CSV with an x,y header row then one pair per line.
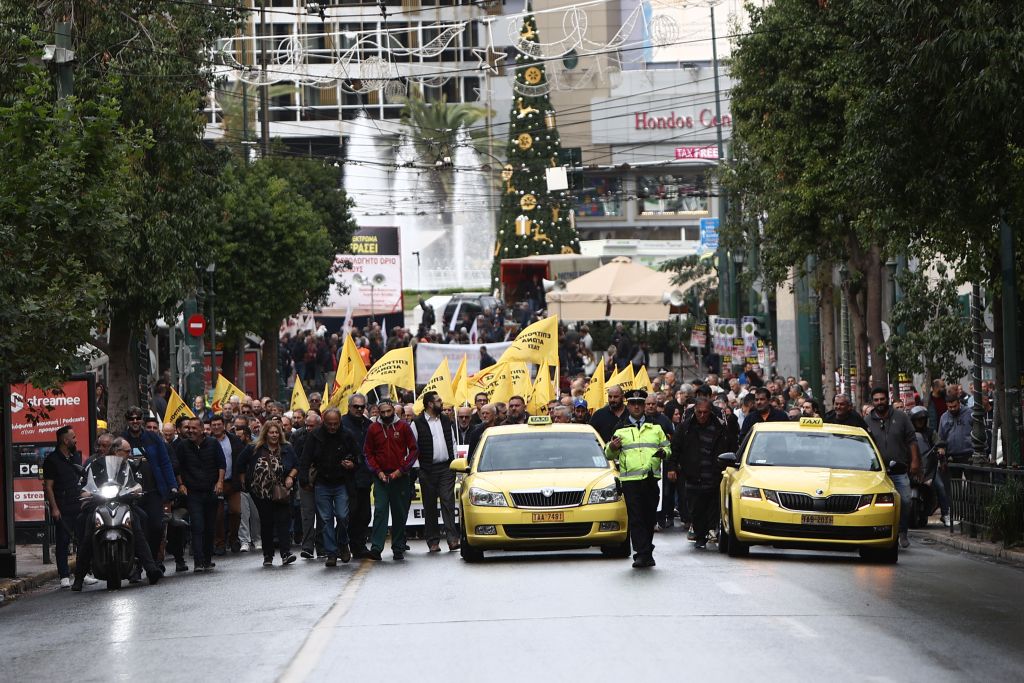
x,y
350,374
440,382
395,367
519,374
595,395
537,344
326,398
223,391
459,384
494,381
624,378
299,399
176,408
642,381
540,394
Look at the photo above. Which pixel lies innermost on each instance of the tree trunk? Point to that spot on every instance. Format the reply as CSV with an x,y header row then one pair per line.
x,y
873,316
229,366
828,336
240,365
861,380
269,364
1002,415
122,383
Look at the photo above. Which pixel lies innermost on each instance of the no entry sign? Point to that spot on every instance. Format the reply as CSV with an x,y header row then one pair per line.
x,y
196,325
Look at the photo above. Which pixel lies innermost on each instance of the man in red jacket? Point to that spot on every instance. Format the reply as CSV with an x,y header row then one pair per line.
x,y
390,452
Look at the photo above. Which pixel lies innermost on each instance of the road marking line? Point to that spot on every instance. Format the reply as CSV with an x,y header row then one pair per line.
x,y
731,588
308,656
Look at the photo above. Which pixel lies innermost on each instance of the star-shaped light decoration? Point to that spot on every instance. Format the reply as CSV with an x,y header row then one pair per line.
x,y
490,59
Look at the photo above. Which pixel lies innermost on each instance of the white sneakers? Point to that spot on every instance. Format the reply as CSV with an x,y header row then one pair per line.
x,y
65,582
90,580
945,520
904,540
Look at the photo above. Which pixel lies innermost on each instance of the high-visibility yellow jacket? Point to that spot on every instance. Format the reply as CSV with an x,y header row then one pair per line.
x,y
637,458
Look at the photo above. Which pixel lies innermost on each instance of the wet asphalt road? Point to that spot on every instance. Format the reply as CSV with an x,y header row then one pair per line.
x,y
778,615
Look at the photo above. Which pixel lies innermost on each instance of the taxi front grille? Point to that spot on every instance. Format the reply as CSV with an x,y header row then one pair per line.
x,y
816,532
557,499
567,530
838,504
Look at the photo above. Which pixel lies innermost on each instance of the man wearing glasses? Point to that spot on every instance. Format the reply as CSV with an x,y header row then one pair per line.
x,y
149,454
894,435
357,423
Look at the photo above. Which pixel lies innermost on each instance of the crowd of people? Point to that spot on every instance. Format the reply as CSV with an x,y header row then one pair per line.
x,y
257,477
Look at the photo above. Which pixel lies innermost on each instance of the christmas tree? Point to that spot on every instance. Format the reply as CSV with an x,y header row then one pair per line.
x,y
532,220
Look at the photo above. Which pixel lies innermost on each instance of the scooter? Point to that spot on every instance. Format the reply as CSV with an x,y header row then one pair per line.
x,y
112,537
923,501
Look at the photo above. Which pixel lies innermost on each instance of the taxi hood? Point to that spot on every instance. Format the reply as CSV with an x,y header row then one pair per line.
x,y
517,480
812,479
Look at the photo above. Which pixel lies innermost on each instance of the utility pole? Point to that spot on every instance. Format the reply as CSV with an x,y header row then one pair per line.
x,y
264,87
725,282
1011,351
63,56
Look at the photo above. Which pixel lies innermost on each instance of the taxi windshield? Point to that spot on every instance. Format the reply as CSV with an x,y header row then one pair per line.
x,y
803,449
548,450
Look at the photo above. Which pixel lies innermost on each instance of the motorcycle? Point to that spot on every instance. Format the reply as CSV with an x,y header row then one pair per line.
x,y
112,536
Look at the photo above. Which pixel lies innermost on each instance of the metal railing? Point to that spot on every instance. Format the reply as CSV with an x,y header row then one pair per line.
x,y
971,489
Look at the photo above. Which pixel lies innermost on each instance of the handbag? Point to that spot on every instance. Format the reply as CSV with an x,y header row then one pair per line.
x,y
280,494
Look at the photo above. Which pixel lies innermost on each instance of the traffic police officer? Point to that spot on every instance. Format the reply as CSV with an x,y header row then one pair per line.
x,y
638,446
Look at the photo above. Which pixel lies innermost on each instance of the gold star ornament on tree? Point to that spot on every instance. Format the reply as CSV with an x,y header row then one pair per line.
x,y
528,202
525,141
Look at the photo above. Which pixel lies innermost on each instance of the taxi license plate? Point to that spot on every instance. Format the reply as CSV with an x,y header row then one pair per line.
x,y
548,516
816,519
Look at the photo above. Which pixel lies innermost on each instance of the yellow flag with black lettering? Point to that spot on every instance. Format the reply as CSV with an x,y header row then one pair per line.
x,y
595,395
494,381
537,344
459,384
176,407
540,393
395,368
624,378
299,399
440,382
642,380
224,391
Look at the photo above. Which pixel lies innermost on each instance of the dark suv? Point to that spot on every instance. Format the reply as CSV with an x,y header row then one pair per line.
x,y
466,307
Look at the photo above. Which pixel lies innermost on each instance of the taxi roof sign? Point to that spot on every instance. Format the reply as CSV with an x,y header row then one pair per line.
x,y
811,422
535,420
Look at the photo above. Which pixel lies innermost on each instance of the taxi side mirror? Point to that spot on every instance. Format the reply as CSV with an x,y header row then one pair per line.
x,y
459,465
728,460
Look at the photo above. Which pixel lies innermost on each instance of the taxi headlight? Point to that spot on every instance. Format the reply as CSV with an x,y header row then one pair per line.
x,y
864,501
750,492
885,500
487,498
609,494
772,496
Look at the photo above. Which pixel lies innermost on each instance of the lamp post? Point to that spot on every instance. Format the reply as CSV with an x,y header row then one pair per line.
x,y
419,287
210,270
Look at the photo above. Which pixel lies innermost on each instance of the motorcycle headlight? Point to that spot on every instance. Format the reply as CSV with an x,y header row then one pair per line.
x,y
109,491
609,494
97,520
128,518
487,498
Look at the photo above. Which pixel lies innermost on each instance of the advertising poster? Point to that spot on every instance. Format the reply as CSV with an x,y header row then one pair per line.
x,y
374,282
34,417
251,384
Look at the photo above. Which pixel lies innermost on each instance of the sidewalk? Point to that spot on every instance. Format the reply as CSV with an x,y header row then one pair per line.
x,y
32,573
935,533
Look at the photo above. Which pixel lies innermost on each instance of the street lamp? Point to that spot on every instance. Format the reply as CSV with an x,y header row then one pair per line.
x,y
419,287
210,270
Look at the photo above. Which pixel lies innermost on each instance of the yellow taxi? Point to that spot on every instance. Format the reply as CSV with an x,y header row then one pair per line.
x,y
540,486
808,484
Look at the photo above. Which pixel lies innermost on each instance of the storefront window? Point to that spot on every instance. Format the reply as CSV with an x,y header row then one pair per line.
x,y
600,197
672,195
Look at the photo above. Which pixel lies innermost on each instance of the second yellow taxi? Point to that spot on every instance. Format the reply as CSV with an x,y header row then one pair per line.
x,y
540,486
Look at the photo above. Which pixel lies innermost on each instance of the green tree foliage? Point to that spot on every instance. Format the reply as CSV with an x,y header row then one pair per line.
x,y
531,220
64,195
934,333
284,220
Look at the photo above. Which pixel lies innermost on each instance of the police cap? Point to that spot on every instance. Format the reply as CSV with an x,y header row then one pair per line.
x,y
636,395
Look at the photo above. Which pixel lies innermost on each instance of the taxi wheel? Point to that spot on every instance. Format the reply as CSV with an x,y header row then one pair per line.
x,y
723,538
468,553
734,546
620,550
890,555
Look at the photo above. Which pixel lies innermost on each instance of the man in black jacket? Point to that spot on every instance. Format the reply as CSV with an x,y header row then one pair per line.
x,y
435,440
488,418
696,445
200,473
763,412
606,420
331,453
226,534
844,414
309,519
357,423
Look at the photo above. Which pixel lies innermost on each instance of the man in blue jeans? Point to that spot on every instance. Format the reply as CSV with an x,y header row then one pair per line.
x,y
201,466
328,462
893,434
